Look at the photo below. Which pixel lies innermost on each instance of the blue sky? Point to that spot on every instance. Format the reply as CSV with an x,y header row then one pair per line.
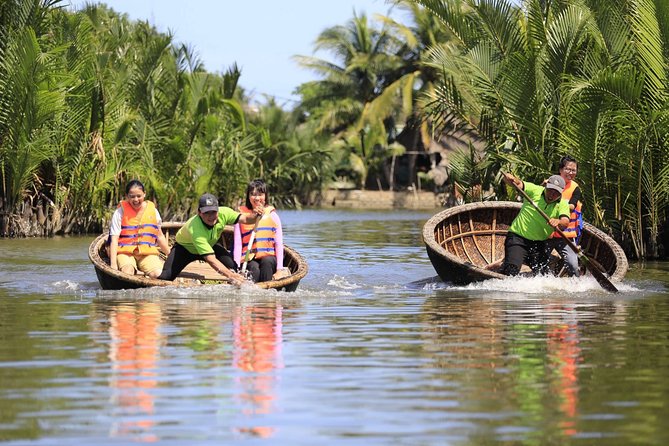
x,y
260,35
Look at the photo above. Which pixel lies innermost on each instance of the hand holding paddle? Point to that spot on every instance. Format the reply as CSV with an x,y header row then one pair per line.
x,y
597,274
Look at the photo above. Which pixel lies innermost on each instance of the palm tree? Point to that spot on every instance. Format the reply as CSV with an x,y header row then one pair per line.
x,y
580,77
294,159
365,58
361,57
399,104
369,101
40,112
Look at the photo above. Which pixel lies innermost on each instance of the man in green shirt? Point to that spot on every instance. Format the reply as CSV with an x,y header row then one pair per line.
x,y
197,240
526,240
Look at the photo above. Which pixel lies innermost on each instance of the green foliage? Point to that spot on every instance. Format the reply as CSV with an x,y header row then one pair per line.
x,y
370,89
90,100
472,174
585,78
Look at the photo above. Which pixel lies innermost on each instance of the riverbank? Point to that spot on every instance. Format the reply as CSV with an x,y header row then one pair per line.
x,y
41,224
372,199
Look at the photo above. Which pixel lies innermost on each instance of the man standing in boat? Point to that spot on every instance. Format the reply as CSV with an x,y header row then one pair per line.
x,y
568,169
198,238
526,239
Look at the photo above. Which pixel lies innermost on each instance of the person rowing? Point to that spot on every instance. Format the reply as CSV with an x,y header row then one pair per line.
x,y
525,241
198,240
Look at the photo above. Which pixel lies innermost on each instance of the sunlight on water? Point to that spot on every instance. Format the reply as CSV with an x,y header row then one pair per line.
x,y
68,285
221,293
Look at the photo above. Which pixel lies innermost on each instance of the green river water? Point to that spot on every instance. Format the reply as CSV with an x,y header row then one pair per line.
x,y
371,349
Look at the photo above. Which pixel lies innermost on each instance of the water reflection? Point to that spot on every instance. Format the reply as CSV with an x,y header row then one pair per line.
x,y
519,362
257,341
134,351
563,357
244,339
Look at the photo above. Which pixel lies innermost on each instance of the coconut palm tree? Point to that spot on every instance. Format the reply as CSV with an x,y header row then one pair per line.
x,y
365,57
398,105
361,55
581,77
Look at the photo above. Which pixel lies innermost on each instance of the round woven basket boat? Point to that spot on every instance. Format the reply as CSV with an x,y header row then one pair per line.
x,y
196,273
466,243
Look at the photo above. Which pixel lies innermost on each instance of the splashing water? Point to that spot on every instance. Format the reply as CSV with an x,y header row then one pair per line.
x,y
545,284
343,283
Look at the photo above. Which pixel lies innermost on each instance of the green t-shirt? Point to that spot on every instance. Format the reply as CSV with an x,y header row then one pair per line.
x,y
529,223
198,238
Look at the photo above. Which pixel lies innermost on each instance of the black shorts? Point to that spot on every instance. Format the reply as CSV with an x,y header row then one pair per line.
x,y
519,250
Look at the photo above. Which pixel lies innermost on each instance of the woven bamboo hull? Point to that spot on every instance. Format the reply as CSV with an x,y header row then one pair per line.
x,y
196,273
466,243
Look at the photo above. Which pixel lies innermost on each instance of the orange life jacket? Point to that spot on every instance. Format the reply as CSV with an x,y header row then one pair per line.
x,y
263,245
138,237
573,230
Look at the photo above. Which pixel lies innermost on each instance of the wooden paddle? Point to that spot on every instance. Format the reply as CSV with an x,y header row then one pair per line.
x,y
247,257
597,274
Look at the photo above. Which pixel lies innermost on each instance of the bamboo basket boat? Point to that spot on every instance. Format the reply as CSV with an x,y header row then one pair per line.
x,y
466,243
196,273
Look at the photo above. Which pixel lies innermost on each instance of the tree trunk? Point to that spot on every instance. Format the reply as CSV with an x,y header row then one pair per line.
x,y
392,173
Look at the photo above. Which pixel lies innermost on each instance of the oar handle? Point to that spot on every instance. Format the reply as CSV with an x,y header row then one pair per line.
x,y
249,245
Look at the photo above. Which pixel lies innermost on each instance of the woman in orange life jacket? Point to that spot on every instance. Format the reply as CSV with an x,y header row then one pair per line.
x,y
267,249
135,234
572,193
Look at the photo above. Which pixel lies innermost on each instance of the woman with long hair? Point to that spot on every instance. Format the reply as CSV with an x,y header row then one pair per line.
x,y
264,258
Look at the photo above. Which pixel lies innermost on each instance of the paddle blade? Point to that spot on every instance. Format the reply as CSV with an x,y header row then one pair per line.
x,y
598,275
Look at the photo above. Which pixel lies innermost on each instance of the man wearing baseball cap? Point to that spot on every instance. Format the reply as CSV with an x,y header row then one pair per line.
x,y
197,240
526,240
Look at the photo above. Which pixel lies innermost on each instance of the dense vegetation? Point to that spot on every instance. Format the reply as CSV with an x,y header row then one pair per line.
x,y
587,78
90,99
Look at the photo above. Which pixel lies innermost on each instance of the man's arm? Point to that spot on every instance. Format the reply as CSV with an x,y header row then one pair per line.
x,y
561,222
511,180
564,222
563,212
248,219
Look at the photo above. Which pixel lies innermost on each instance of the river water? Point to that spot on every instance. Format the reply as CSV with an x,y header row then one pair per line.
x,y
369,350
